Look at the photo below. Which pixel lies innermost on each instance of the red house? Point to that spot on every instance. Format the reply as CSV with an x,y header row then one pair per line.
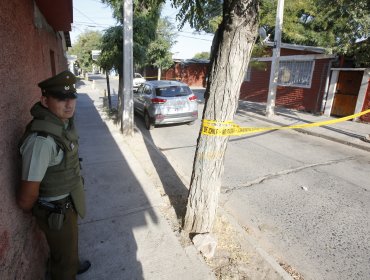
x,y
308,82
303,74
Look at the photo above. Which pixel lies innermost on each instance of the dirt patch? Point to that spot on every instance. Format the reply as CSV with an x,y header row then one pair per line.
x,y
231,261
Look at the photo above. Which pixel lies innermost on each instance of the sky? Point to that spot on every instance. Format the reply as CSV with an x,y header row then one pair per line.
x,y
93,15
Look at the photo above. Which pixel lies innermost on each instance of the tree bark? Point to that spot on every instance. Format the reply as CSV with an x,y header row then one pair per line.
x,y
231,51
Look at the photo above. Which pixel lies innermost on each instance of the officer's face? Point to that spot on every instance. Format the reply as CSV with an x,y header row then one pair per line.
x,y
63,109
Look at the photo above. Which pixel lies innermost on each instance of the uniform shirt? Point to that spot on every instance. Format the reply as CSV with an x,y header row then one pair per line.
x,y
39,153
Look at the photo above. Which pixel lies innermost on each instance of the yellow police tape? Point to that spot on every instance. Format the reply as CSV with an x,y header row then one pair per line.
x,y
229,128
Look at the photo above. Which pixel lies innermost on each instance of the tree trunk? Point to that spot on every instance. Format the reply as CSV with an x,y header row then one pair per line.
x,y
159,73
231,51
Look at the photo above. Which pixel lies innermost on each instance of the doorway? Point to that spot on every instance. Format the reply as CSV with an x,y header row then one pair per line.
x,y
346,94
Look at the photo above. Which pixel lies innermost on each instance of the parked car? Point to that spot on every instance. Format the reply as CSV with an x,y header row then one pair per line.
x,y
165,102
138,80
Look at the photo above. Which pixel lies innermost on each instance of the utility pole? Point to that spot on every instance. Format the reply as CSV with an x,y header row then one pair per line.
x,y
127,121
274,74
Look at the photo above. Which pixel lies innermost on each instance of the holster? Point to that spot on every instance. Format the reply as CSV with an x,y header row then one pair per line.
x,y
56,215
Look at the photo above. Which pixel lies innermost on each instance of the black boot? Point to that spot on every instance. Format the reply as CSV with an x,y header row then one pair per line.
x,y
84,266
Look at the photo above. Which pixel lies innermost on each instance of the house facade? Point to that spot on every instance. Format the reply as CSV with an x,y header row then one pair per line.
x,y
304,74
308,82
34,38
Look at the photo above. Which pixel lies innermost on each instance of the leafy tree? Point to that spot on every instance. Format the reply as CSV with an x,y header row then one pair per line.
x,y
86,42
201,15
145,25
158,52
145,21
298,17
349,21
111,46
146,14
111,56
202,55
335,24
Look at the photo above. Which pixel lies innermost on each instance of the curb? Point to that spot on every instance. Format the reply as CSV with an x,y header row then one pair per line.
x,y
251,242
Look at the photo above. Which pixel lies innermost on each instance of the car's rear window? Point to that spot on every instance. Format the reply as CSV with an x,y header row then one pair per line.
x,y
173,91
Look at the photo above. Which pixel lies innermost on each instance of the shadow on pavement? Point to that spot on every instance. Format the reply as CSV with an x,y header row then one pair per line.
x,y
118,210
173,186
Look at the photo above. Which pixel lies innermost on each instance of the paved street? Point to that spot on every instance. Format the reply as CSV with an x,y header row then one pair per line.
x,y
303,198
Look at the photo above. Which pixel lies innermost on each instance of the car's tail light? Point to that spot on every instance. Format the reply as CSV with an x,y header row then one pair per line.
x,y
158,100
193,98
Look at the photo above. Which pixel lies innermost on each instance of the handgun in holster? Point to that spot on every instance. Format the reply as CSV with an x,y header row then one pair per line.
x,y
56,216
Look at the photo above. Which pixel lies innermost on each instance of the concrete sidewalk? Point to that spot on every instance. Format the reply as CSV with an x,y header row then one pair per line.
x,y
124,234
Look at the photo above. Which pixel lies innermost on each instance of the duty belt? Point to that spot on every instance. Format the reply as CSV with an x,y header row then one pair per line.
x,y
58,206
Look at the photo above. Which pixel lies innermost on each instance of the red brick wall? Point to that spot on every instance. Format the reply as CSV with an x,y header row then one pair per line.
x,y
284,52
170,74
256,89
306,99
366,118
193,74
24,61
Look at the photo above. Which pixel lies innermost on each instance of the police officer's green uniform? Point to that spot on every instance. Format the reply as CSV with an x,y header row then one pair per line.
x,y
50,156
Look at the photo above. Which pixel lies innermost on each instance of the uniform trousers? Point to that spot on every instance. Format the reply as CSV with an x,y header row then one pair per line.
x,y
63,243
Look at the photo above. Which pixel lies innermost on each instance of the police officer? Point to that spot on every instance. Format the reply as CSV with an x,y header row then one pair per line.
x,y
51,184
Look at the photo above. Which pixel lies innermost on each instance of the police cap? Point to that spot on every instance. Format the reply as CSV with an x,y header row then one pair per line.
x,y
60,86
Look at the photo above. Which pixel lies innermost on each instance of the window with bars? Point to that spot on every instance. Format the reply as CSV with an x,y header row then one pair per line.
x,y
296,73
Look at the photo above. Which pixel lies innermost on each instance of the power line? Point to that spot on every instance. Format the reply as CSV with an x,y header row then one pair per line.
x,y
91,23
84,15
196,33
195,38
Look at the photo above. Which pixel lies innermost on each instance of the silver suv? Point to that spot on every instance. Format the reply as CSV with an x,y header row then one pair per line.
x,y
165,102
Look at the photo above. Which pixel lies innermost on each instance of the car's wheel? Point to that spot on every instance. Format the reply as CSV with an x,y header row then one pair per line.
x,y
148,123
